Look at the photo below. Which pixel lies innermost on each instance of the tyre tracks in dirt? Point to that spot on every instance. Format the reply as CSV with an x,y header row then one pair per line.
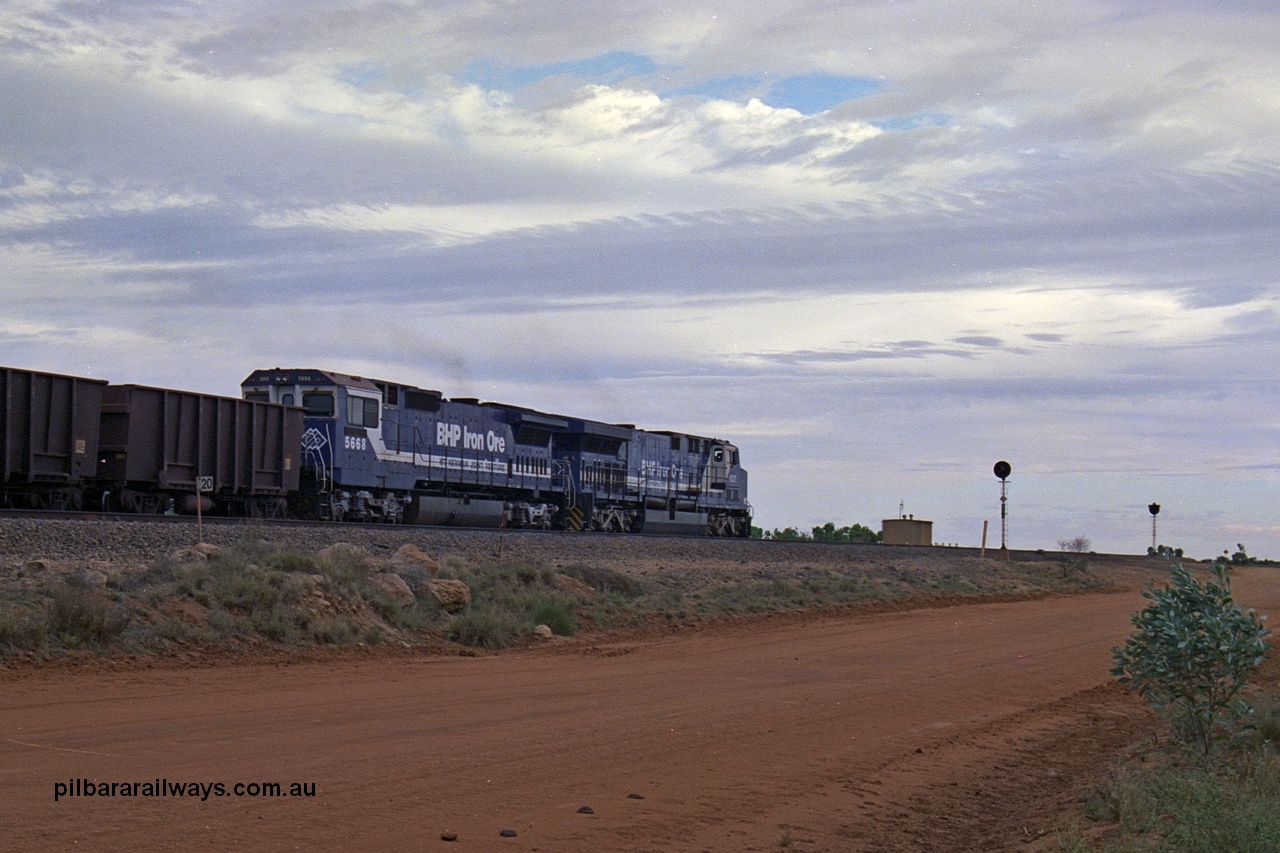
x,y
951,729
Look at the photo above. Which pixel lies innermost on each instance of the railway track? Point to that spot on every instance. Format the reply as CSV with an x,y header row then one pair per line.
x,y
481,533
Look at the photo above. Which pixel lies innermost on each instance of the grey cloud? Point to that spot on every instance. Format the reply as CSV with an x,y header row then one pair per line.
x,y
1114,217
1035,164
890,350
723,253
97,130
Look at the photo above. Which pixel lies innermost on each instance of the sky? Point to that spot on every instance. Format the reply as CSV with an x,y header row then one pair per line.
x,y
878,245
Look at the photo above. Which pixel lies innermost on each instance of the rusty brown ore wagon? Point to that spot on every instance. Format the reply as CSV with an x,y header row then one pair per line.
x,y
74,443
159,445
49,437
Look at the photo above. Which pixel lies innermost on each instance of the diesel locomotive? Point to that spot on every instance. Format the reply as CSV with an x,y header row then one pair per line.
x,y
382,451
318,444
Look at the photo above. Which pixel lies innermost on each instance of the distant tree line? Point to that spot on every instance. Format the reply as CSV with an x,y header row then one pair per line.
x,y
825,533
1240,557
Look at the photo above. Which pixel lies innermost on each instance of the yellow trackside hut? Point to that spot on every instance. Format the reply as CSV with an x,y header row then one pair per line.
x,y
907,531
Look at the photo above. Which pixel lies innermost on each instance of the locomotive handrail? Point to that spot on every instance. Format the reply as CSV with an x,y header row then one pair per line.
x,y
563,469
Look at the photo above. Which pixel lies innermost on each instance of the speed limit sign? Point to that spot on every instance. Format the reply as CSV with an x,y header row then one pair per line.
x,y
204,484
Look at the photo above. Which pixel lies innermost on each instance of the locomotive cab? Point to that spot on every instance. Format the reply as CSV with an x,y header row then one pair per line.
x,y
726,481
317,402
719,461
340,444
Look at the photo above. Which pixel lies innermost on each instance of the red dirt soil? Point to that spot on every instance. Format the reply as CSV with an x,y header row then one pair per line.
x,y
966,728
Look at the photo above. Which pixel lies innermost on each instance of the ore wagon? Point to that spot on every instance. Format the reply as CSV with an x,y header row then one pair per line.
x,y
48,438
159,446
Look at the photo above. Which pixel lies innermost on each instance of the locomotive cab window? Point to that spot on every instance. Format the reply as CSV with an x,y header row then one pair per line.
x,y
390,394
362,411
318,404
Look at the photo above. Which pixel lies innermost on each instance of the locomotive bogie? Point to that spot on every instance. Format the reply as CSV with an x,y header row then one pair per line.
x,y
614,518
521,514
363,505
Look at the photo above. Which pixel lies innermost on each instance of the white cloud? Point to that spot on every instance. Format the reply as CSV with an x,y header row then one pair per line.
x,y
1048,233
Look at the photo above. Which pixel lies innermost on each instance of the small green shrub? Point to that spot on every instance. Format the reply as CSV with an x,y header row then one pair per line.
x,y
292,561
345,563
243,589
1204,812
154,576
22,629
424,615
486,627
380,602
1192,652
191,581
507,602
605,580
336,630
275,625
1071,840
168,630
453,566
527,575
1177,802
85,616
225,624
754,597
1263,722
555,616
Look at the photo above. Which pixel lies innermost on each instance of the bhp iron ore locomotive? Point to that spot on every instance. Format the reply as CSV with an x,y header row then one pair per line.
x,y
317,444
379,451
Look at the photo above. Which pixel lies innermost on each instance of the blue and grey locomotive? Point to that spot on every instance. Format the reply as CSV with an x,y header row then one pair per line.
x,y
381,451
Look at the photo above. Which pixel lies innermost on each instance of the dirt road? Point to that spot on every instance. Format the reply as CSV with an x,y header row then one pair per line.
x,y
956,728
